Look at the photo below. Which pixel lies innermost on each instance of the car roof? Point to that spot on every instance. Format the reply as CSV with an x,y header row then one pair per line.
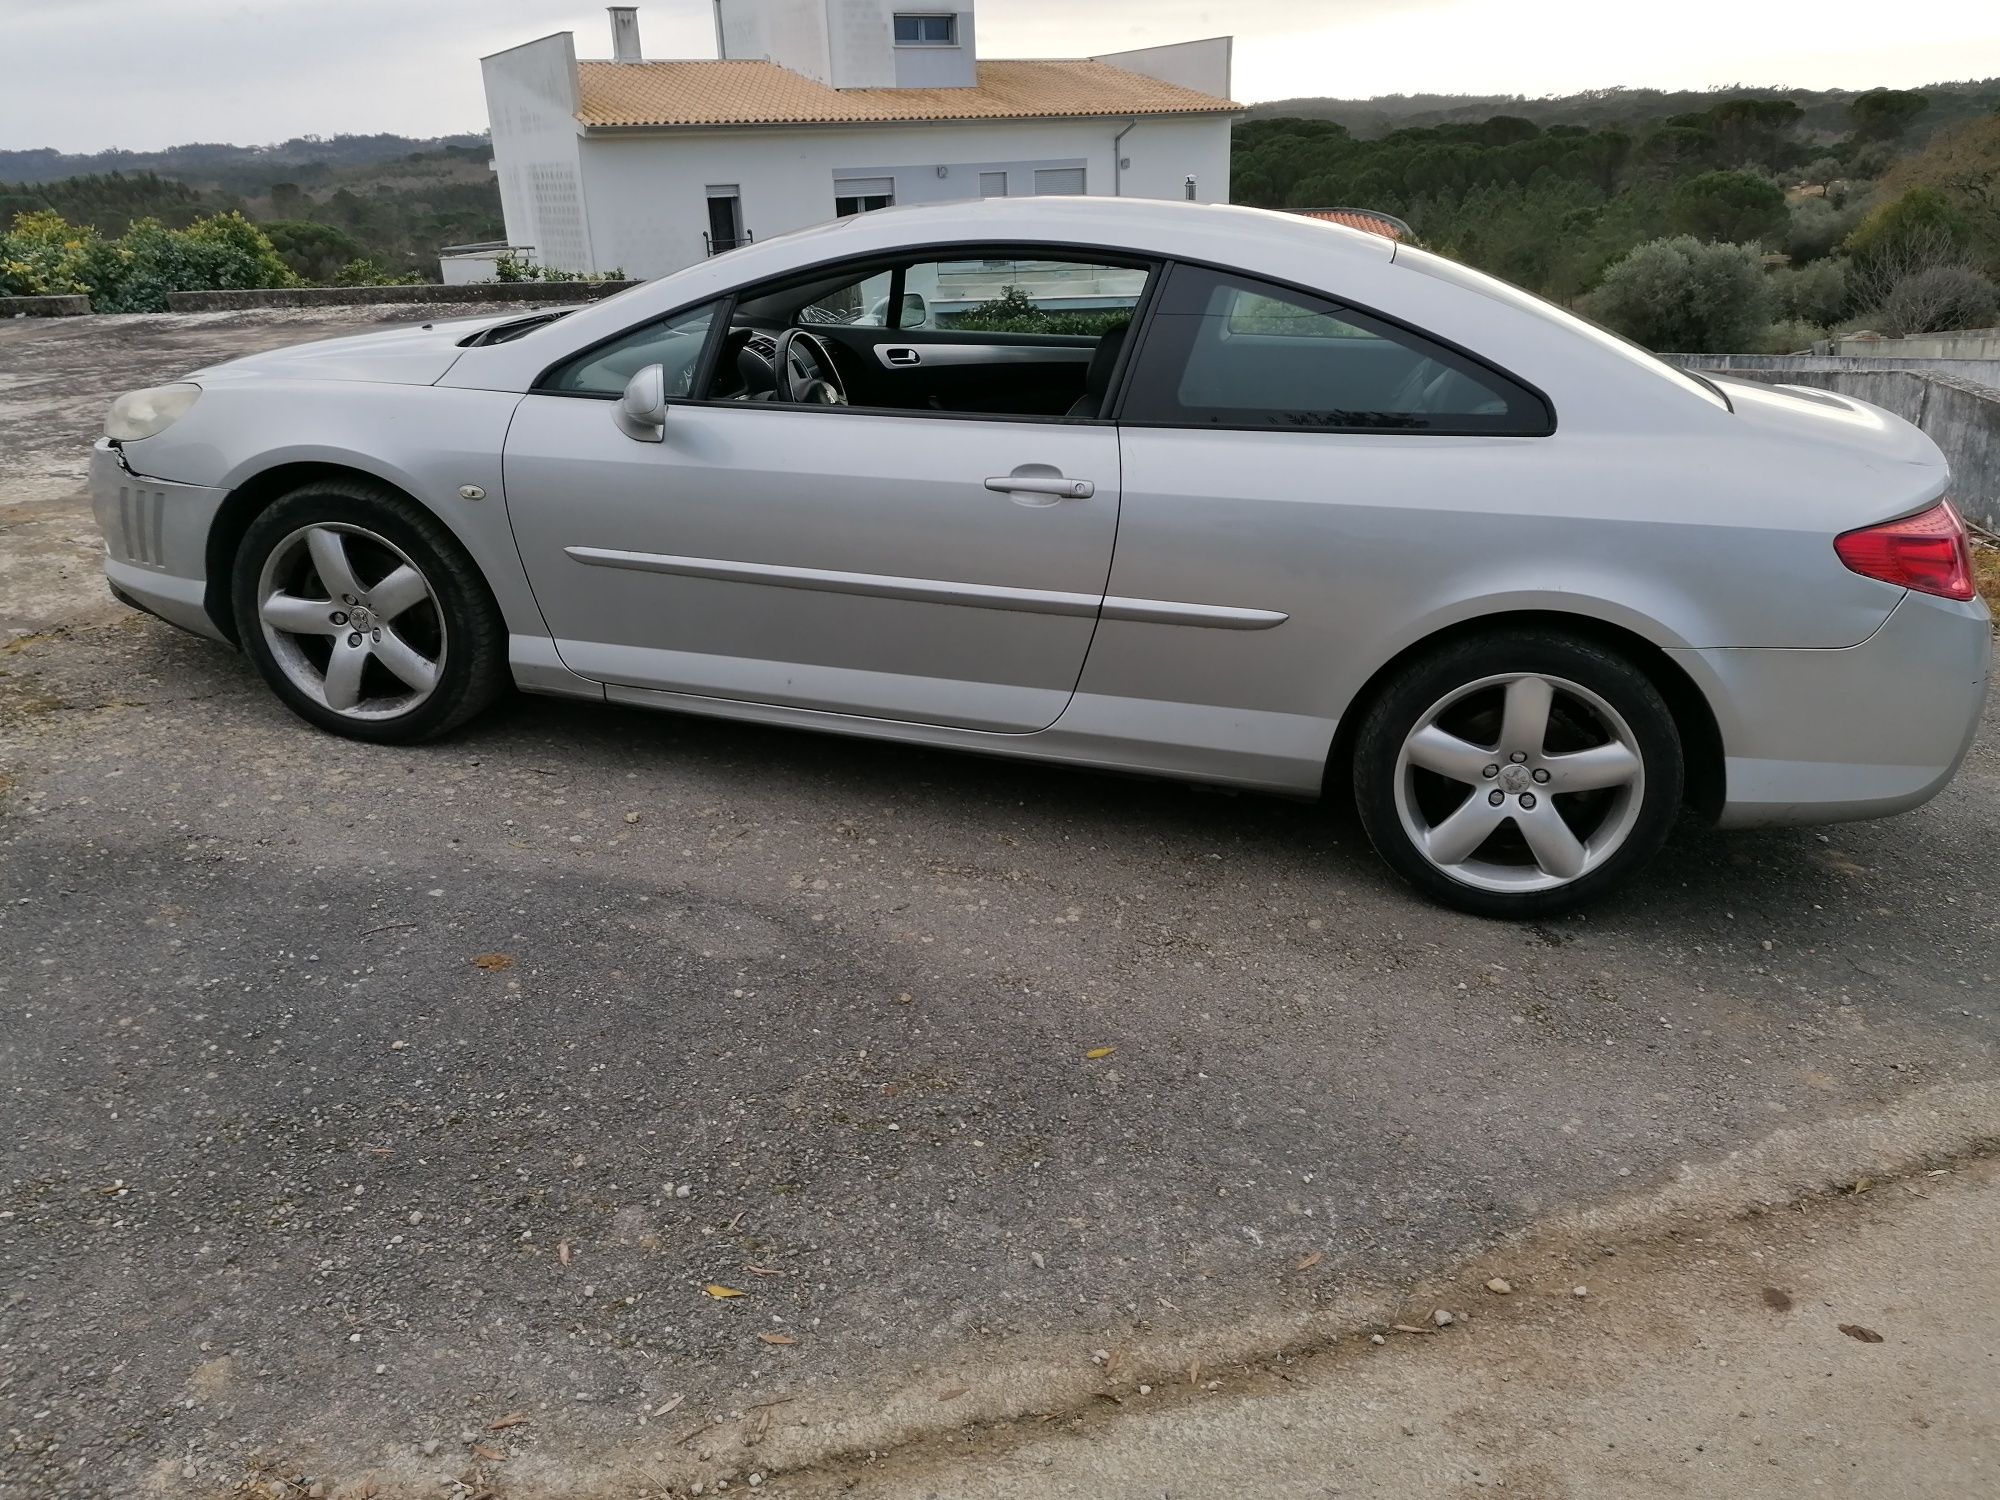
x,y
1155,224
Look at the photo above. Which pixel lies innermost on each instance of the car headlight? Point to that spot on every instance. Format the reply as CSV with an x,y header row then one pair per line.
x,y
140,414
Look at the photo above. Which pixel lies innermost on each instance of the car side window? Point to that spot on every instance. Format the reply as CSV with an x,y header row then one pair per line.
x,y
674,343
1227,351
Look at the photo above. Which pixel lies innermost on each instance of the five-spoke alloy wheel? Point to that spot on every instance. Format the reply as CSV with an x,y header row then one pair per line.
x,y
1518,775
351,620
365,614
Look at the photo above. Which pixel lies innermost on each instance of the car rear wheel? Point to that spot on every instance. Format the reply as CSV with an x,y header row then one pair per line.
x,y
365,615
1519,774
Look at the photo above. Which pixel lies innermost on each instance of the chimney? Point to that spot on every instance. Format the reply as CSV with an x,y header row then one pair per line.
x,y
624,33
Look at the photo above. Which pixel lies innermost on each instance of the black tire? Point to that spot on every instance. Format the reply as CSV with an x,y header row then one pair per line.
x,y
473,668
1645,808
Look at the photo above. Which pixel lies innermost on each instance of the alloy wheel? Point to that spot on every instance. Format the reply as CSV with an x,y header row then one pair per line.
x,y
1519,782
351,621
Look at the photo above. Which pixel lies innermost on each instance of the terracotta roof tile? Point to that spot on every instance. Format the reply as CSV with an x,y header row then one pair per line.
x,y
1387,225
763,93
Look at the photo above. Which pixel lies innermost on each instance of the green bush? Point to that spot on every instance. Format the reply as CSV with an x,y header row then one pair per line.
x,y
362,271
509,268
42,253
1013,311
1818,227
1790,336
1687,297
1815,294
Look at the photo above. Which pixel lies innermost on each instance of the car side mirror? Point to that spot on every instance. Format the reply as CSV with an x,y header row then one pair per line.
x,y
916,312
642,410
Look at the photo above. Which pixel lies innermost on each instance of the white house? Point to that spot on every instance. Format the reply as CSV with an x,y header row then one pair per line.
x,y
816,108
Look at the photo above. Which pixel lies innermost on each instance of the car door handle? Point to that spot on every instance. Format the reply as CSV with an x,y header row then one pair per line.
x,y
1042,484
901,355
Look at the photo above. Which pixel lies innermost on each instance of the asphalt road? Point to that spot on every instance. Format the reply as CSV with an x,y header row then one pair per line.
x,y
358,1098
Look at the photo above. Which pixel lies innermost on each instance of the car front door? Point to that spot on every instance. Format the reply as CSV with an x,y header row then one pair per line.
x,y
919,566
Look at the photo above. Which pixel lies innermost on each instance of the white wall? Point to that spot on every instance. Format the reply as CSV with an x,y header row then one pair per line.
x,y
955,67
1202,65
847,44
648,206
791,33
531,101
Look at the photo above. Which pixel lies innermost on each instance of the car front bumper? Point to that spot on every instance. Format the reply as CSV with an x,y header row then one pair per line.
x,y
155,540
1861,732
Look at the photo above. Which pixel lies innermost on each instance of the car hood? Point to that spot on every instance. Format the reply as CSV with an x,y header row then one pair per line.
x,y
415,354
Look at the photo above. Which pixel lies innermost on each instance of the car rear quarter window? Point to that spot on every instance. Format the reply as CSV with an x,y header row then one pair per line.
x,y
1227,351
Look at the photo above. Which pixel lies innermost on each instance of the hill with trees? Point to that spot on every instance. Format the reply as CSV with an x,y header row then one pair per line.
x,y
1889,214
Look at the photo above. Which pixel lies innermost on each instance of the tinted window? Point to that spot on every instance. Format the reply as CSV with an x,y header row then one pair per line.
x,y
674,343
1226,351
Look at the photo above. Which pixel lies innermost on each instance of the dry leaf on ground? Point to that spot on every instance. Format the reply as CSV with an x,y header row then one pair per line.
x,y
718,1291
1097,1052
1856,1331
954,1393
512,1419
480,1450
493,963
777,1338
1310,1261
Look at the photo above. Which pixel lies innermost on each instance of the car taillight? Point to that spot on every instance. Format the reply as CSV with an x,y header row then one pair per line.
x,y
1927,552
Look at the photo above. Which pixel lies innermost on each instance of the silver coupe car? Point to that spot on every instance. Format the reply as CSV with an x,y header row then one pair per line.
x,y
1195,491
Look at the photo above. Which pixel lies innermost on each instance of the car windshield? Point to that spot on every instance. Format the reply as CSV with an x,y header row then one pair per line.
x,y
1501,291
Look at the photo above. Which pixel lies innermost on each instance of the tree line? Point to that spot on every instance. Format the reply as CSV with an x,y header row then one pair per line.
x,y
1734,227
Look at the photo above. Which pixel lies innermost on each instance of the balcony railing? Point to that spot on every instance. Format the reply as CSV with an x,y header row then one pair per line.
x,y
716,244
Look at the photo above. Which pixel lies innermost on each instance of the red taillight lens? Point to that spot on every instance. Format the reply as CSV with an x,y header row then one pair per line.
x,y
1927,552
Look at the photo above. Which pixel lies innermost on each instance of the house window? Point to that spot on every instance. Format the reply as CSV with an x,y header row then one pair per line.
x,y
1059,180
857,195
992,184
927,31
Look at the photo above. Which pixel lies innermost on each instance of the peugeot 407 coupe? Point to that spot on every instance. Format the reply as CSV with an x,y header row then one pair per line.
x,y
1195,491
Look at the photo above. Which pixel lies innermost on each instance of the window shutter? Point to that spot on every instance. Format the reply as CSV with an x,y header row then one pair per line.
x,y
1059,180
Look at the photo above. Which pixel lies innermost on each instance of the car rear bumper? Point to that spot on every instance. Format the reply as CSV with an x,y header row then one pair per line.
x,y
1860,732
155,540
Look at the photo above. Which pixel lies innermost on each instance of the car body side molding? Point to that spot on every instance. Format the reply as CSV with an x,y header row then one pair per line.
x,y
934,591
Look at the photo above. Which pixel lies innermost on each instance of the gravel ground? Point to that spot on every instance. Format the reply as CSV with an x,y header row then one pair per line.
x,y
358,1099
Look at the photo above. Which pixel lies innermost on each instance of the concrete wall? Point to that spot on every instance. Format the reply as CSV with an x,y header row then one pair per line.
x,y
531,102
495,293
1979,371
648,201
791,33
1964,343
1960,416
60,306
932,67
1202,65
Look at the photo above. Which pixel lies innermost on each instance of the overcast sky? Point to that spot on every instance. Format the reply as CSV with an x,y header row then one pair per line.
x,y
81,75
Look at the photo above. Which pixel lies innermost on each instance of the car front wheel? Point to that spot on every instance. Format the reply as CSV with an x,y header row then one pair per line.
x,y
365,615
1518,774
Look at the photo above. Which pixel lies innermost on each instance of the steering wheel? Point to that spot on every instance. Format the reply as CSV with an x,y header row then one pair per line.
x,y
805,370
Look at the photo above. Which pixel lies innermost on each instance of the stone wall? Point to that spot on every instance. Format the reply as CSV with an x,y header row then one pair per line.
x,y
1960,415
499,293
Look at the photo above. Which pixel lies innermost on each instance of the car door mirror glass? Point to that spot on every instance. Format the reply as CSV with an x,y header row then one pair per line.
x,y
642,410
916,311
